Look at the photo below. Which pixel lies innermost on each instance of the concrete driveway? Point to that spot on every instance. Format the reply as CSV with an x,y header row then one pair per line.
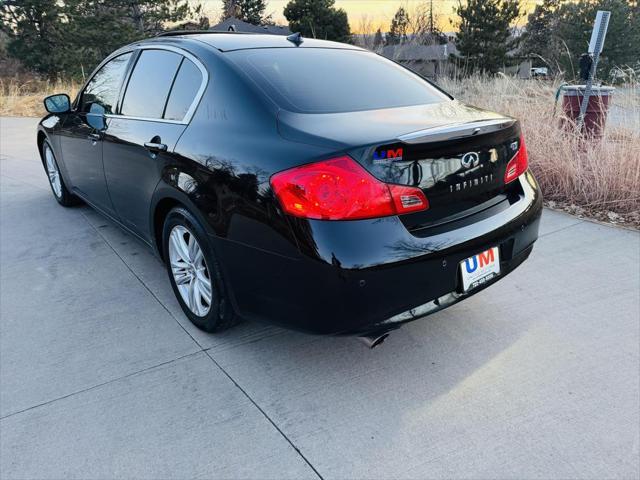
x,y
102,376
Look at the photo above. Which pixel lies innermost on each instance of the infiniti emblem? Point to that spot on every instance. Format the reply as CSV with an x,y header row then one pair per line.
x,y
470,159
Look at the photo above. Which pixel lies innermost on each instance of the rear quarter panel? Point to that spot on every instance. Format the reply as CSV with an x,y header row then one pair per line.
x,y
231,148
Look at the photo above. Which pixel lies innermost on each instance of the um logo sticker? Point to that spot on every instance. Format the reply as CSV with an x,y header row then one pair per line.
x,y
388,155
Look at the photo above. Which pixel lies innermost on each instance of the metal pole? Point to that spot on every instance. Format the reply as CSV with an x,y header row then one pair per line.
x,y
602,31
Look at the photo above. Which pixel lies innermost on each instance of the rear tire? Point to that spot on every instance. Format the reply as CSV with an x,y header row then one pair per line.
x,y
195,274
56,182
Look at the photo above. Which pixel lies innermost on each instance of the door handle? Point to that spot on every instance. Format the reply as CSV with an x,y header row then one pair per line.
x,y
94,136
155,147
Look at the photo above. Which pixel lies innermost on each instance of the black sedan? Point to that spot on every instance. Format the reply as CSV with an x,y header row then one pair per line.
x,y
301,182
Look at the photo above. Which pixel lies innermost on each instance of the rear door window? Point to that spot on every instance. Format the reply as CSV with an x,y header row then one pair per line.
x,y
101,93
184,90
150,83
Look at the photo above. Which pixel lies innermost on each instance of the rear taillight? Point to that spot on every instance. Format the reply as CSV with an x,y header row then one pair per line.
x,y
518,164
341,189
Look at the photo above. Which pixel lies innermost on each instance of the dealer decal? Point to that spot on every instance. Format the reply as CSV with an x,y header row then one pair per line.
x,y
386,155
484,259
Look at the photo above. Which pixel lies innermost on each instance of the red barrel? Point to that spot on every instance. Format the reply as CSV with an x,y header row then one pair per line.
x,y
596,115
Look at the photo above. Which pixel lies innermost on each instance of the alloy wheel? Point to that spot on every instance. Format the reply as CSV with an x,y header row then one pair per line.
x,y
53,172
190,271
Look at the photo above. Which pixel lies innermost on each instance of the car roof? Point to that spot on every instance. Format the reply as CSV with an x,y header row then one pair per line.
x,y
226,42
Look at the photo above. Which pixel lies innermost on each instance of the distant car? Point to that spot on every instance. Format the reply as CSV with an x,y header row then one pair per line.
x,y
539,72
307,183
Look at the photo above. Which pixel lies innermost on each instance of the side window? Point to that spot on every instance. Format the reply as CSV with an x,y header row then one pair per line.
x,y
184,90
150,83
101,93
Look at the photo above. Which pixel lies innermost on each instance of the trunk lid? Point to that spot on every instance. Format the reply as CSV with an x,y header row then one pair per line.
x,y
352,129
457,154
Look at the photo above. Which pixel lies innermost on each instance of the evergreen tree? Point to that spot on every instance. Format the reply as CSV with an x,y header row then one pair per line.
x,y
251,11
94,30
538,38
70,37
399,27
318,19
35,34
484,32
378,39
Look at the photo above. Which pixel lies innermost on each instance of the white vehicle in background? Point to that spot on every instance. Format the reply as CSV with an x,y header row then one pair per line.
x,y
539,72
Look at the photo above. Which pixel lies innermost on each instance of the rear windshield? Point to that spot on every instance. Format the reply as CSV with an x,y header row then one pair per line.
x,y
309,80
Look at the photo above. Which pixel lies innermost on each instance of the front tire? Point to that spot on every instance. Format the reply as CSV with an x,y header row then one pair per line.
x,y
56,182
194,272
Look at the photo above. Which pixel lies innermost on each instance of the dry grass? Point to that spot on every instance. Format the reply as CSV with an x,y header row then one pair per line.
x,y
23,97
602,177
598,175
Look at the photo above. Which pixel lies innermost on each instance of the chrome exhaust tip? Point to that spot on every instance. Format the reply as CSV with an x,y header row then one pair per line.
x,y
372,341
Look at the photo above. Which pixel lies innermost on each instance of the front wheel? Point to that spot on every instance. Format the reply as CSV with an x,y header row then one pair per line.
x,y
195,274
59,189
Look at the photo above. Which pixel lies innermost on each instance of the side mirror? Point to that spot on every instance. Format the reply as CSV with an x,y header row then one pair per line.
x,y
59,103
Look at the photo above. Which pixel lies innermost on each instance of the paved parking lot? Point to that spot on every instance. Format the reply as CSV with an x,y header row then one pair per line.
x,y
101,375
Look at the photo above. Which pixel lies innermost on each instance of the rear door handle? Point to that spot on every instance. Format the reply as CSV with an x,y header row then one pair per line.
x,y
94,137
155,147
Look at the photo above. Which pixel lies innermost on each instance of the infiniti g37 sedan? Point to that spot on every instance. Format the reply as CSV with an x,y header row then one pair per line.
x,y
306,183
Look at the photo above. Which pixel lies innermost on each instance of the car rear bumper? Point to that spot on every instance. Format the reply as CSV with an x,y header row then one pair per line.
x,y
363,276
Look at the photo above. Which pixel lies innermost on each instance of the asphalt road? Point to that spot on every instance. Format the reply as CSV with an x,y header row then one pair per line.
x,y
102,376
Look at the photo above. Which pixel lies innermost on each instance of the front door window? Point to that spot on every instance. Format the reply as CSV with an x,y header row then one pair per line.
x,y
101,93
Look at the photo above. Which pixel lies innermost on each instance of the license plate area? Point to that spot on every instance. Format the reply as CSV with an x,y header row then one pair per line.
x,y
479,269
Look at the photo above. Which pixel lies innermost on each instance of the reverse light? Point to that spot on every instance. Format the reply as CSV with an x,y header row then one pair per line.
x,y
341,189
518,164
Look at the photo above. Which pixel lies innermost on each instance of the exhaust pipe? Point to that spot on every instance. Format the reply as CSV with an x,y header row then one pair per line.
x,y
373,340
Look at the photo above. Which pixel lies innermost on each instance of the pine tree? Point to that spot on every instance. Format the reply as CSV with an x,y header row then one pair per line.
x,y
318,19
251,11
35,33
399,26
538,39
378,39
541,23
484,32
70,38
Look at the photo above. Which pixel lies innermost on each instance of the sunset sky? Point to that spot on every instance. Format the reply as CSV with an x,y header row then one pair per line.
x,y
378,12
